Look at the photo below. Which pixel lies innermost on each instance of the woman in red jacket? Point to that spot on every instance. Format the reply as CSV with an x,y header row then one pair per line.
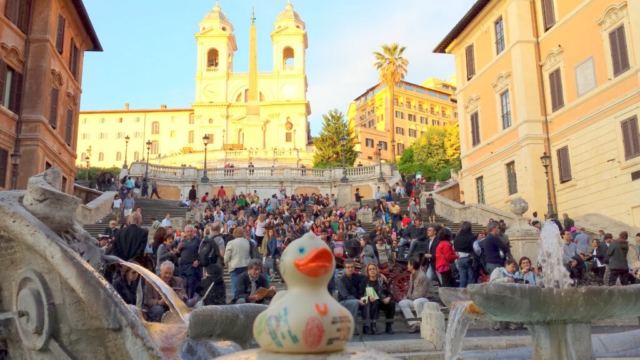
x,y
444,256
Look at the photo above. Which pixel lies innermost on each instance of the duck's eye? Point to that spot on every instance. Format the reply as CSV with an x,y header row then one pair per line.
x,y
301,250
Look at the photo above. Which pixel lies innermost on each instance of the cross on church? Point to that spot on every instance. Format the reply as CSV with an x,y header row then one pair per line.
x,y
253,15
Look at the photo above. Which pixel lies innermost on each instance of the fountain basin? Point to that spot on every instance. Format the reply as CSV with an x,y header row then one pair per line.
x,y
532,304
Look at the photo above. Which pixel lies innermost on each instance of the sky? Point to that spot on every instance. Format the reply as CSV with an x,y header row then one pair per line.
x,y
149,55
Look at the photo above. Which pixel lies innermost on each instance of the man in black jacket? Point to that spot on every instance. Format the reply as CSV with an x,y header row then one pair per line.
x,y
132,240
349,289
249,282
111,230
493,244
413,232
192,194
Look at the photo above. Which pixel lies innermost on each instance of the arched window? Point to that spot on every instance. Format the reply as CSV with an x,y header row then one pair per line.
x,y
136,156
191,136
83,157
288,58
212,59
118,156
154,148
155,128
101,157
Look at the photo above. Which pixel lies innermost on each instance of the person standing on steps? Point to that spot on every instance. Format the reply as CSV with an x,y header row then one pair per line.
x,y
154,189
493,245
431,209
193,196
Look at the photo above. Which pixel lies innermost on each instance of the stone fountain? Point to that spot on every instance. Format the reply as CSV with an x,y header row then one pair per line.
x,y
55,305
557,315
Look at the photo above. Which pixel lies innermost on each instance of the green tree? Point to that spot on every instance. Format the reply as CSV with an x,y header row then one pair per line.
x,y
392,67
430,148
328,147
452,145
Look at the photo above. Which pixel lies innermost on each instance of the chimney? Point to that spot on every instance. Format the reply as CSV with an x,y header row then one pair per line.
x,y
163,106
126,106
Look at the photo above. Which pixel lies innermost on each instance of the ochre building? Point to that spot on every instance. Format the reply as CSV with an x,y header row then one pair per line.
x,y
416,108
254,116
42,45
552,76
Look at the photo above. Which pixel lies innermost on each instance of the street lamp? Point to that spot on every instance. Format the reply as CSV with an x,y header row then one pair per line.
x,y
183,166
15,163
205,140
294,139
393,152
546,162
126,149
343,142
146,170
381,178
87,160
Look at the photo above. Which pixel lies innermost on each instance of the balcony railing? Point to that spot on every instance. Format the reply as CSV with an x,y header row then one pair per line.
x,y
212,68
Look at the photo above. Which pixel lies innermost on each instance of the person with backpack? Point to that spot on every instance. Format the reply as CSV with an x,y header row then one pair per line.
x,y
237,255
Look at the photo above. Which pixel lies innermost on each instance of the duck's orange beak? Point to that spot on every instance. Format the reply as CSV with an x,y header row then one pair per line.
x,y
316,264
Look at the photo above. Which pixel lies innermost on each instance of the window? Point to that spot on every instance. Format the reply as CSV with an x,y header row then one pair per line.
x,y
53,109
433,122
60,34
555,88
47,165
211,138
548,14
384,145
475,129
102,120
399,130
564,166
369,143
74,59
411,117
68,134
400,149
512,178
499,36
288,58
424,120
18,12
118,156
119,135
137,119
399,115
471,66
103,136
631,138
101,156
505,102
455,115
192,119
155,128
4,167
136,156
10,87
371,124
85,136
120,120
84,121
173,133
619,54
288,137
413,133
480,189
154,148
137,135
191,137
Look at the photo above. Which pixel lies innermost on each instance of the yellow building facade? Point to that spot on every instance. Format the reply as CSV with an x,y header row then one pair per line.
x,y
254,116
416,108
552,76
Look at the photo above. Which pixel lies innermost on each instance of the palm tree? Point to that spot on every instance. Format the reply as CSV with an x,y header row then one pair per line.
x,y
393,68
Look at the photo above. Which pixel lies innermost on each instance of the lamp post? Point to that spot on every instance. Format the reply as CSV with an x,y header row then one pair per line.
x,y
126,149
546,162
87,160
294,139
205,140
183,166
15,163
381,178
343,142
146,170
393,151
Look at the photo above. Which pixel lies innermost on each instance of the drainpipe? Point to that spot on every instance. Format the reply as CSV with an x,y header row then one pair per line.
x,y
16,146
543,99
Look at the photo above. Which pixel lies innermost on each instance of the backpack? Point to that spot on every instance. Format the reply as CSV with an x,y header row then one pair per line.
x,y
209,252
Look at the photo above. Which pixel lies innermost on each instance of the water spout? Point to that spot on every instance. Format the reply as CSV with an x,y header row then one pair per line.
x,y
554,274
461,315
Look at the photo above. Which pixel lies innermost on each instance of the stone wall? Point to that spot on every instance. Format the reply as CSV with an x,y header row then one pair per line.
x,y
366,192
169,192
96,209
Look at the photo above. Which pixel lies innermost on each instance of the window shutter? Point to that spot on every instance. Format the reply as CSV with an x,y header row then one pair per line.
x,y
60,34
23,15
475,129
68,136
630,138
564,165
73,60
53,111
549,14
471,66
3,79
11,10
16,92
618,48
555,88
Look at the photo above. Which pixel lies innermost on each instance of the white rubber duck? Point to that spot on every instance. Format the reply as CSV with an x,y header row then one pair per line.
x,y
306,319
